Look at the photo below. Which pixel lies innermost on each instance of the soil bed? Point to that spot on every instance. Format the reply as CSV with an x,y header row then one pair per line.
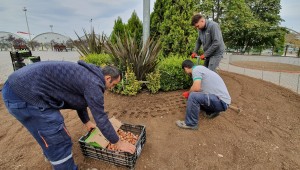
x,y
268,66
265,135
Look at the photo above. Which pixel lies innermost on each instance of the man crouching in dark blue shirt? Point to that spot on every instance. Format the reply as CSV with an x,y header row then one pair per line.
x,y
35,94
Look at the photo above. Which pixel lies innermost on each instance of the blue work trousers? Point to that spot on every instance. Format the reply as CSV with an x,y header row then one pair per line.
x,y
46,125
197,101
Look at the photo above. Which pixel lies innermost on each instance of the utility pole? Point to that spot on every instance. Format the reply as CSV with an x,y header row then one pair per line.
x,y
146,21
24,9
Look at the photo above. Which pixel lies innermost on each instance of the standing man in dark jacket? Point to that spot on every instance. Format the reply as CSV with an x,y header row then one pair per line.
x,y
210,36
35,94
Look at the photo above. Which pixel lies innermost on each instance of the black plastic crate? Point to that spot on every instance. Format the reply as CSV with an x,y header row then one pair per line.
x,y
117,158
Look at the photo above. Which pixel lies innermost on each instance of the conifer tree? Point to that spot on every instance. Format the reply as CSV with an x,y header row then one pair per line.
x,y
135,27
171,22
118,29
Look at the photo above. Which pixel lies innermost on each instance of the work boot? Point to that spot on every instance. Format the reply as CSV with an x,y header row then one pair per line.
x,y
182,124
211,115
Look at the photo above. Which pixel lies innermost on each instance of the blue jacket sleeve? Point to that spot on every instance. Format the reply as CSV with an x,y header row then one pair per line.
x,y
95,100
83,115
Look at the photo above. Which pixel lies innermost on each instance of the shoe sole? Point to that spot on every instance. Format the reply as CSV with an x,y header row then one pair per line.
x,y
186,127
211,116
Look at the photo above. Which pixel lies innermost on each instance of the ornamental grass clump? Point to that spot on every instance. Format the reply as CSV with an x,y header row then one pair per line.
x,y
90,44
127,52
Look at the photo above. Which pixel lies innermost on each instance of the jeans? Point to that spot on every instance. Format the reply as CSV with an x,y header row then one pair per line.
x,y
197,101
46,125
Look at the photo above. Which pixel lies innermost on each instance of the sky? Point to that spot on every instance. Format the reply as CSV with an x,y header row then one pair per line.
x,y
66,16
290,12
70,16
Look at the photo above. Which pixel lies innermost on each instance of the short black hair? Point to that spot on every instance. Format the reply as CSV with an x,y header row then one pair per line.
x,y
196,19
187,63
112,71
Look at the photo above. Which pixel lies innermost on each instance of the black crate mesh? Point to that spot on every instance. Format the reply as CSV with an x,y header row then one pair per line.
x,y
117,158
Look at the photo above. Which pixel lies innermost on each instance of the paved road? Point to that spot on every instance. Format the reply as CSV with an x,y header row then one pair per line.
x,y
6,66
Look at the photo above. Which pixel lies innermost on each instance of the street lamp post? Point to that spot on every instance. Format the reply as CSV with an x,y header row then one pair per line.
x,y
146,20
24,9
51,26
91,25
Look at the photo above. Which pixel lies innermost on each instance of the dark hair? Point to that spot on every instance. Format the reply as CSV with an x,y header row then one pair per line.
x,y
112,71
196,19
187,63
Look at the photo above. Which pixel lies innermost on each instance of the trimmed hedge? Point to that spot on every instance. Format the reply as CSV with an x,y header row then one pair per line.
x,y
98,59
172,75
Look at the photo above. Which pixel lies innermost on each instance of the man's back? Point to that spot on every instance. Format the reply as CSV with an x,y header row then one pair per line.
x,y
51,82
211,83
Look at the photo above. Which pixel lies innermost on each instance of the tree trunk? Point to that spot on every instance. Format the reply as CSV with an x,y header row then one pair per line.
x,y
213,14
286,48
218,12
260,51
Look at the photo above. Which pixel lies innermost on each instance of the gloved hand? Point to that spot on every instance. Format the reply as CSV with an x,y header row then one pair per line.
x,y
186,94
202,57
194,55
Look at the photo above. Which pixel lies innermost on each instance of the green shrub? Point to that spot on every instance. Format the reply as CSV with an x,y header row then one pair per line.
x,y
172,76
129,85
119,87
201,62
201,51
153,79
98,59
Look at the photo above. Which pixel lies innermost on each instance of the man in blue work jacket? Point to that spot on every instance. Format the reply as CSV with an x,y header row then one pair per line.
x,y
35,94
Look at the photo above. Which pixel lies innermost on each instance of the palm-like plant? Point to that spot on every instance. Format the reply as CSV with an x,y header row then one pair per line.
x,y
92,44
127,52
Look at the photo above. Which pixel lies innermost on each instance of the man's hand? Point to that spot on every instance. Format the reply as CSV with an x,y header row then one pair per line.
x,y
202,57
186,94
125,146
194,55
89,125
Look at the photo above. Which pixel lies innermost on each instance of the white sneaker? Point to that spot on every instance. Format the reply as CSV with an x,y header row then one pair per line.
x,y
182,124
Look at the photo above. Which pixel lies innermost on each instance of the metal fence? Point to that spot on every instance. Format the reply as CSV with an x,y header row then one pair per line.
x,y
288,80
